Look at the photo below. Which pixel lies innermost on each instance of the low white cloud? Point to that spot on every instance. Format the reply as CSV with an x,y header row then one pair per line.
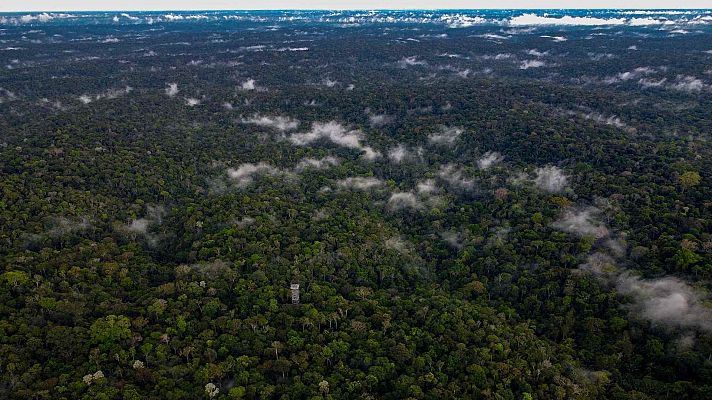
x,y
551,179
446,136
493,36
533,19
109,94
601,119
314,163
453,238
378,120
406,62
537,53
455,177
666,301
6,95
557,39
360,183
404,200
245,174
652,83
62,226
337,134
192,101
280,123
687,83
142,226
244,222
526,64
249,84
426,187
328,82
630,75
489,159
398,154
582,222
402,153
172,90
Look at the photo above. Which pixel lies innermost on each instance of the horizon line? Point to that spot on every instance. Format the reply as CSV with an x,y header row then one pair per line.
x,y
354,9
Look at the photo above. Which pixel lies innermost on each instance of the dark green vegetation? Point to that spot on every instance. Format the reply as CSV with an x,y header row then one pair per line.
x,y
538,233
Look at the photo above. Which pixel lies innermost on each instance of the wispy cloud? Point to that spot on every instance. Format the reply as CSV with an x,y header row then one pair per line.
x,y
582,222
526,64
455,177
172,90
489,159
337,134
142,226
360,183
446,136
280,123
245,174
404,200
406,62
109,94
551,179
250,84
314,163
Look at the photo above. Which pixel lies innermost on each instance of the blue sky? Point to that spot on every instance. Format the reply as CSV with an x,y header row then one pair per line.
x,y
115,5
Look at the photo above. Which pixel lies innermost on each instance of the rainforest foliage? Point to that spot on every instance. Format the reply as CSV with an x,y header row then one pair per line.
x,y
471,212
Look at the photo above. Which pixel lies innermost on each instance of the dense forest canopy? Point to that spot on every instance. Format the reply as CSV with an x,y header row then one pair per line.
x,y
494,205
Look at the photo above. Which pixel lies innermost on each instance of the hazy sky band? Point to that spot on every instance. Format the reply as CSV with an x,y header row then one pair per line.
x,y
159,5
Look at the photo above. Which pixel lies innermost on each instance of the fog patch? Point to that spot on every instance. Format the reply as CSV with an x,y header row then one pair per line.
x,y
337,134
246,173
401,153
668,301
109,94
550,179
6,95
629,75
378,120
556,39
582,222
455,177
690,84
526,64
537,53
313,163
328,82
249,84
454,239
280,123
426,187
172,90
192,101
404,200
488,160
406,62
446,136
142,226
360,183
601,119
